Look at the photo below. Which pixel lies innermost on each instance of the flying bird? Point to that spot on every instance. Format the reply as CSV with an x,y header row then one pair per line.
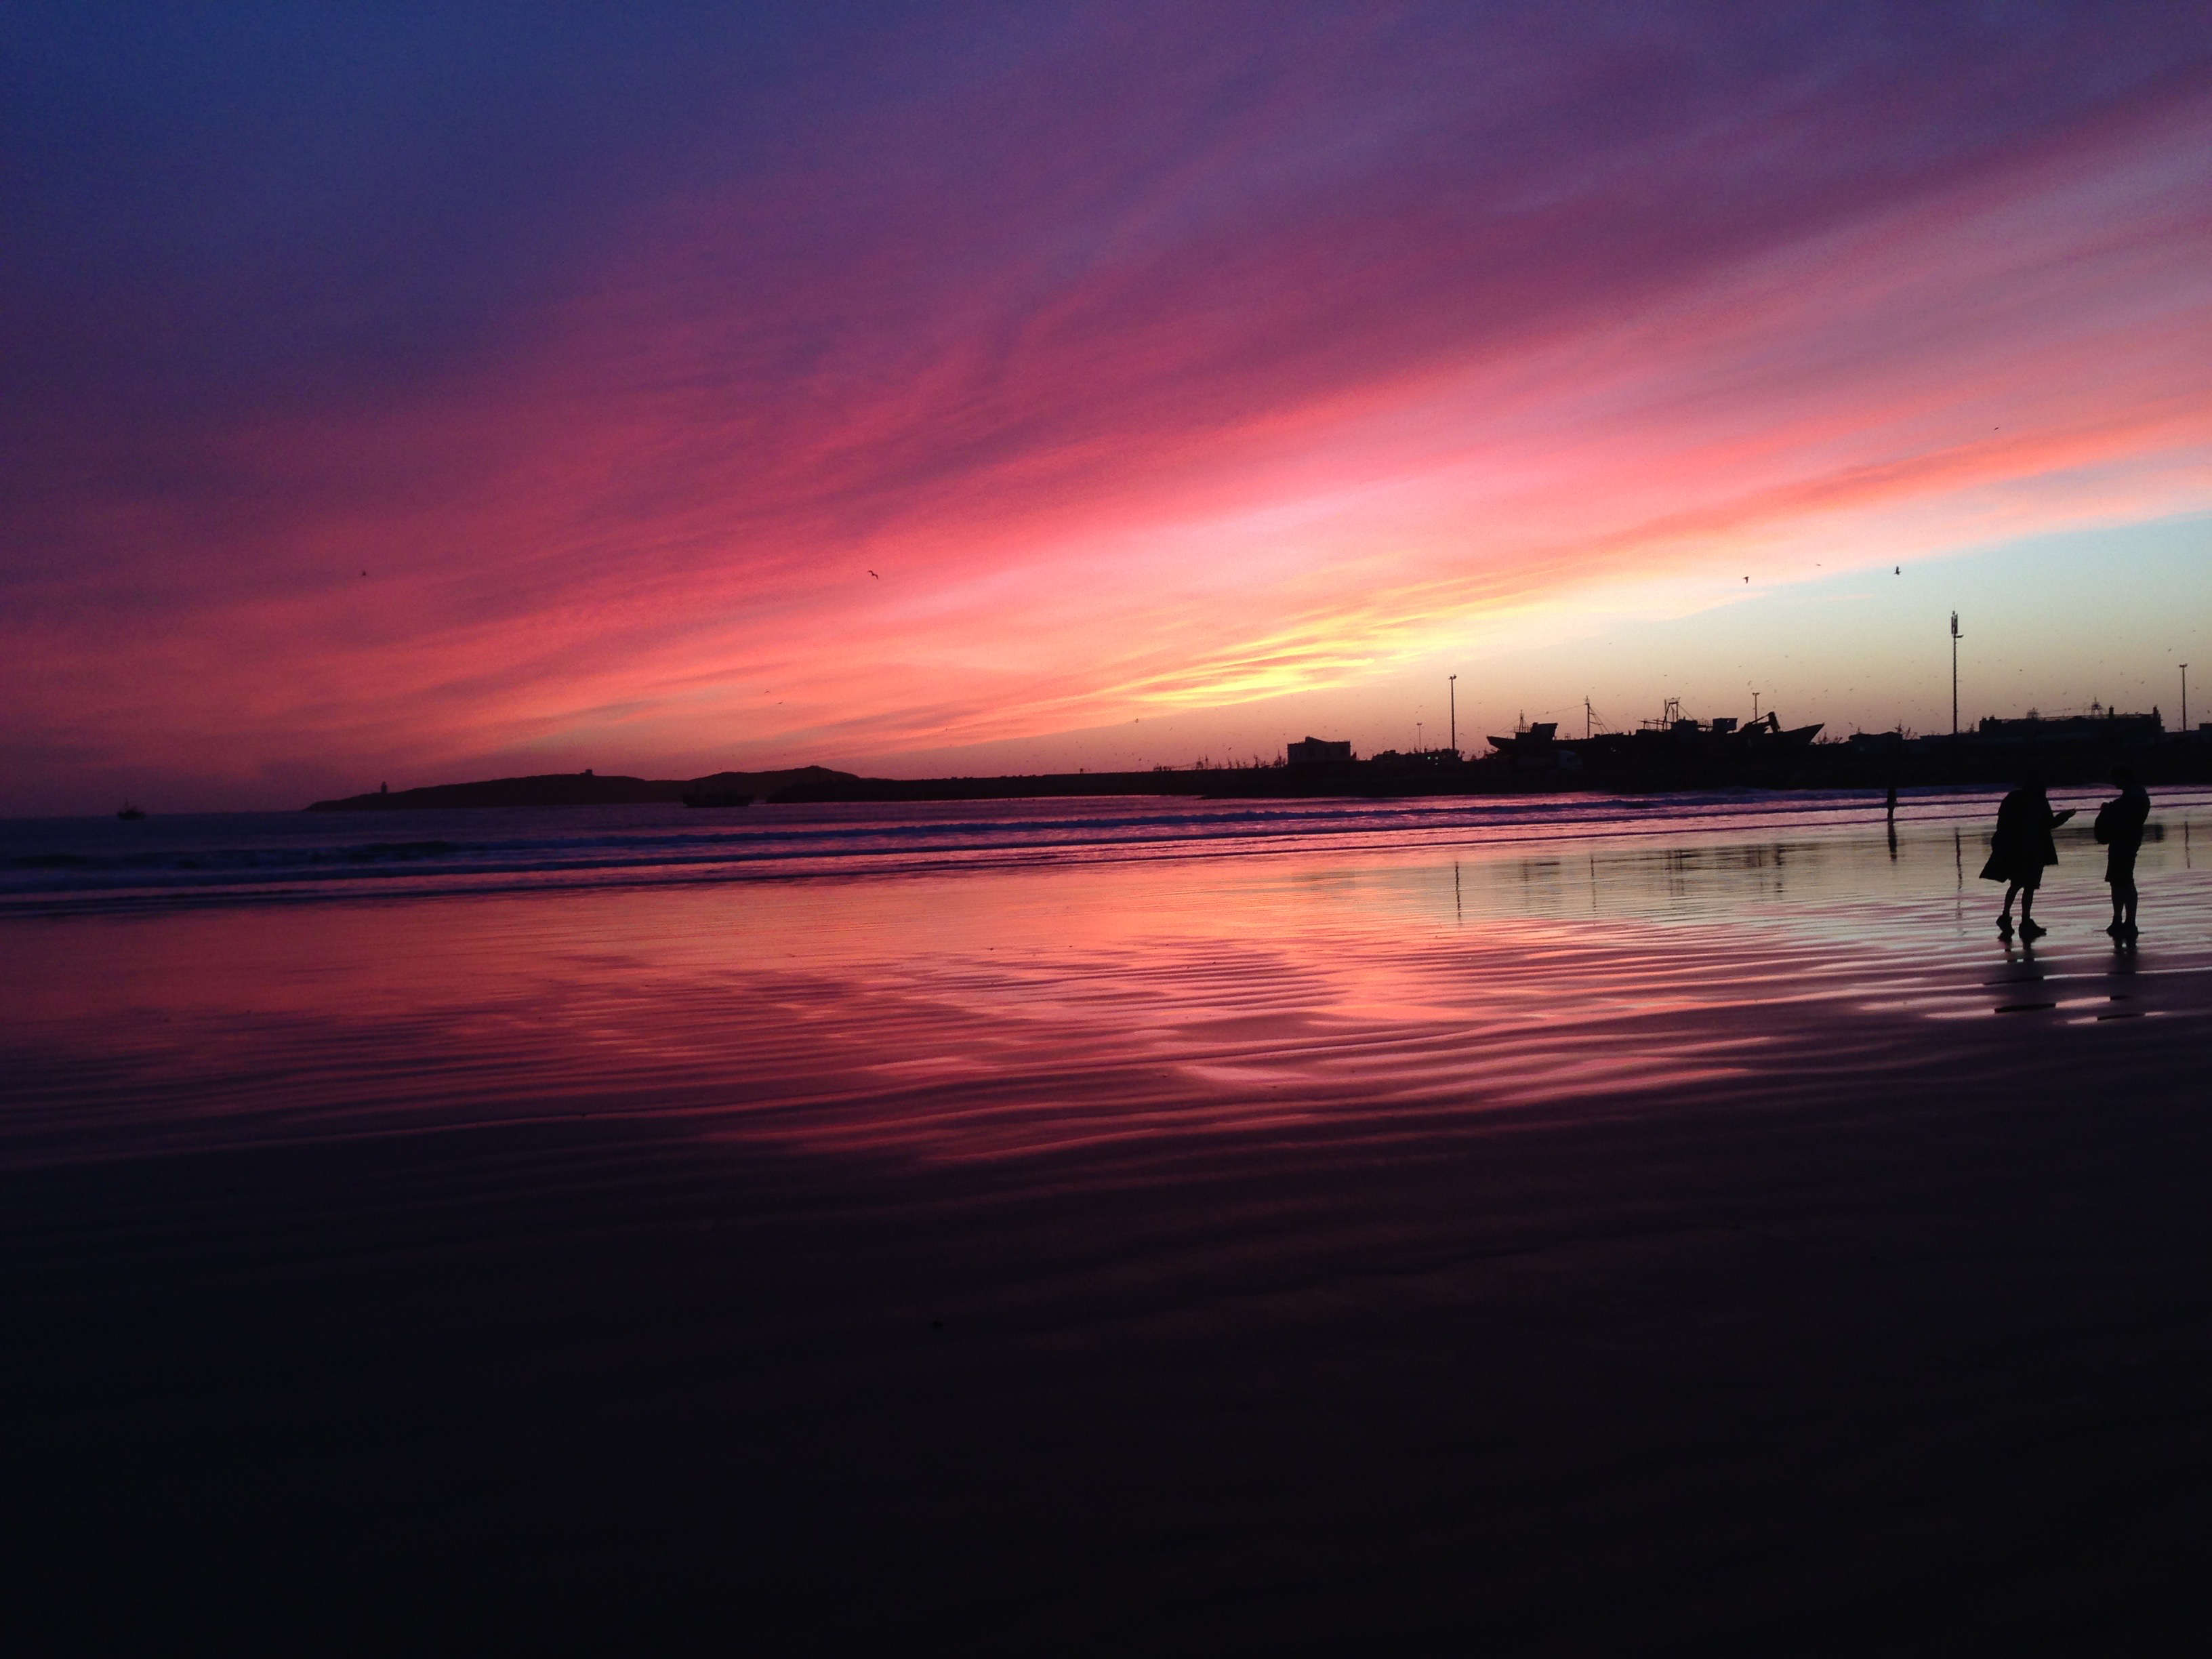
x,y
873,573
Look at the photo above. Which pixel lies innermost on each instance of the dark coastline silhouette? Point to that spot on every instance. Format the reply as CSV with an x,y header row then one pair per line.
x,y
1762,756
579,789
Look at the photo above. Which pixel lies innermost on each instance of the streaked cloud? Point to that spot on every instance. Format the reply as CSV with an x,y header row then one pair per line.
x,y
1149,361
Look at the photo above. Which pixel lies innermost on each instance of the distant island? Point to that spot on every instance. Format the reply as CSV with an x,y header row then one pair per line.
x,y
588,789
1679,755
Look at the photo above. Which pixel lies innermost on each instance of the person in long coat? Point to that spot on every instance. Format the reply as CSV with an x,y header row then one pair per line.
x,y
2020,852
2120,826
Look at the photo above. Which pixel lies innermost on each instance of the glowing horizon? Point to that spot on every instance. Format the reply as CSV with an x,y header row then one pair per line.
x,y
918,386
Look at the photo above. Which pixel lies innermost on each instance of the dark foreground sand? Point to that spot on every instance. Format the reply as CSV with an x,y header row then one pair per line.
x,y
1649,1287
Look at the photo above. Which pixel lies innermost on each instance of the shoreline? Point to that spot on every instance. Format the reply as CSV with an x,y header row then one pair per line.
x,y
59,867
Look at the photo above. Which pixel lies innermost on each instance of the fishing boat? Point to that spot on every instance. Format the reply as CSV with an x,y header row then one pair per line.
x,y
130,812
1670,745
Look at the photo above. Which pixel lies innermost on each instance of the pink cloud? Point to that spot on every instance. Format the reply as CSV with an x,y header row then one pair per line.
x,y
1199,413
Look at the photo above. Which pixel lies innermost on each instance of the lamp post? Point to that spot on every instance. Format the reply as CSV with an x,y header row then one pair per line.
x,y
1451,690
2185,700
1954,673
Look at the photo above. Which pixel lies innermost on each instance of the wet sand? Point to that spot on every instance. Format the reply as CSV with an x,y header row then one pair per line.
x,y
1646,1246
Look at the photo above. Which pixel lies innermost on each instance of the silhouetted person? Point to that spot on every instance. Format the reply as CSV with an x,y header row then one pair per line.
x,y
2120,827
2020,850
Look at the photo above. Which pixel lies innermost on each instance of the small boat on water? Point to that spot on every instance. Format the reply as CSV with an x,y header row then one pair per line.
x,y
129,811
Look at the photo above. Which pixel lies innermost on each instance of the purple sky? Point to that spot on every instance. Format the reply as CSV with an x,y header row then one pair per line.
x,y
487,392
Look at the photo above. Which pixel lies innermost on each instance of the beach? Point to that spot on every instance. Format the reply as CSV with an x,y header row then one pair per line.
x,y
1547,1226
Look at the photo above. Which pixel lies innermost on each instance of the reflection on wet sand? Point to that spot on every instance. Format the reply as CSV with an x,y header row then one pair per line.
x,y
1130,999
1189,1256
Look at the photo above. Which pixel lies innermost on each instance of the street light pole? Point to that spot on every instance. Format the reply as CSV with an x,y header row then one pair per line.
x,y
1954,673
2185,700
1451,689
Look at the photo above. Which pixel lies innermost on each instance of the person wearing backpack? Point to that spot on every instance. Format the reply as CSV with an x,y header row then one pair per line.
x,y
2120,827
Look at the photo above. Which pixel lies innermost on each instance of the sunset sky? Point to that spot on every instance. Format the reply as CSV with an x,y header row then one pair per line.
x,y
425,395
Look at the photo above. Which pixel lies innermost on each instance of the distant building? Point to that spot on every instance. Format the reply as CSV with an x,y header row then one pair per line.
x,y
2110,726
1319,751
